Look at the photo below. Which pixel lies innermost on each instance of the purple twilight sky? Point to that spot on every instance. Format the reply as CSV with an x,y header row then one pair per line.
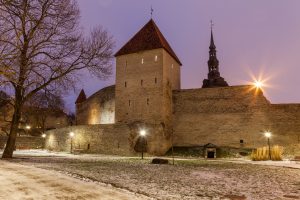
x,y
252,37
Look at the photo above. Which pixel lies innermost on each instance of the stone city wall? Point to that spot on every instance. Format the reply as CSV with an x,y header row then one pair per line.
x,y
25,142
232,116
105,139
119,139
98,108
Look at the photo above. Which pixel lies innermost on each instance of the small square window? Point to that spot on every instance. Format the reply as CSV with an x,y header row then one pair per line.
x,y
241,141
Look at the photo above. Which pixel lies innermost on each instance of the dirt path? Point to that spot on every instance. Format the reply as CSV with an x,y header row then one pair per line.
x,y
26,182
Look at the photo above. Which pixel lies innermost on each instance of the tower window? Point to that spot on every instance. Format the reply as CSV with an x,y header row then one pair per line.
x,y
172,66
142,60
142,82
241,141
155,80
129,102
125,84
156,58
148,101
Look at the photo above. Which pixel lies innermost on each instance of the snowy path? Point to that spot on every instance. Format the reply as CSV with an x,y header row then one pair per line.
x,y
26,182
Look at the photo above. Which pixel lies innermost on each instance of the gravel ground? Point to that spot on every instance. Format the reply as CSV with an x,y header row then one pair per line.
x,y
188,179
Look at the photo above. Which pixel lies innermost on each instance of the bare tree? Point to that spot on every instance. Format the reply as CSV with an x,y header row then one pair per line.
x,y
42,47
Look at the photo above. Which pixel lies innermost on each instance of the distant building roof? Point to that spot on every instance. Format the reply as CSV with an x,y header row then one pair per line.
x,y
81,97
148,38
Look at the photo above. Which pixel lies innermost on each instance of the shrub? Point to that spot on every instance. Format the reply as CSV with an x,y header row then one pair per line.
x,y
263,153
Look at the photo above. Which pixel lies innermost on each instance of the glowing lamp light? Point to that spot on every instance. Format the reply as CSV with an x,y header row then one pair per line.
x,y
72,134
28,127
44,135
258,84
143,133
268,134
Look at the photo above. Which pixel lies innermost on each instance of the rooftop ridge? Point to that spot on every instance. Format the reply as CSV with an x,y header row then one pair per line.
x,y
149,37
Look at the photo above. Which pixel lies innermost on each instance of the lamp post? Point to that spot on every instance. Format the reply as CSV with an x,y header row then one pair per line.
x,y
268,135
71,136
143,134
44,137
27,127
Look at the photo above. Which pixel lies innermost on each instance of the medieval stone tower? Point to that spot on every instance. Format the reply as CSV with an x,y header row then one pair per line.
x,y
147,70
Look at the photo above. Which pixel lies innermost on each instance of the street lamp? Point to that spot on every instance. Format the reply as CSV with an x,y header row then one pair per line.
x,y
71,136
143,134
44,135
28,127
268,135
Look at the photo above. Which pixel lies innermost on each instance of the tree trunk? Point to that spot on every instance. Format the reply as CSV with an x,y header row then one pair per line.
x,y
11,141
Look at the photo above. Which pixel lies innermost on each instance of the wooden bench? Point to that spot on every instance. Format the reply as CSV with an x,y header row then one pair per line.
x,y
78,151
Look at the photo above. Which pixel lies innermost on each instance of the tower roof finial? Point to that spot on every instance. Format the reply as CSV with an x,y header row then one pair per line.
x,y
151,11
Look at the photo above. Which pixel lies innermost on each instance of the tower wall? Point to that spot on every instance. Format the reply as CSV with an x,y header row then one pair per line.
x,y
144,83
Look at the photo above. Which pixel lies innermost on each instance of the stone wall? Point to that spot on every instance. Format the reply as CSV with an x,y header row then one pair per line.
x,y
119,139
98,108
25,142
232,116
105,139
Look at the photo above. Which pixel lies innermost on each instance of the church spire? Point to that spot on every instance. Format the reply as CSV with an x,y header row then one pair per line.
x,y
212,42
214,78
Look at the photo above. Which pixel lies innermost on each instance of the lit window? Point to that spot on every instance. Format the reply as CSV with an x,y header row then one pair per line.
x,y
142,60
156,58
172,66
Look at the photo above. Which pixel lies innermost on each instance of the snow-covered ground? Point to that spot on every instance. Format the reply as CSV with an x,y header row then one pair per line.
x,y
26,182
188,179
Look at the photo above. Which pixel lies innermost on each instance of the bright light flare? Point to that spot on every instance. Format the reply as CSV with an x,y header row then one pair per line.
x,y
72,134
28,127
258,84
44,135
143,133
268,134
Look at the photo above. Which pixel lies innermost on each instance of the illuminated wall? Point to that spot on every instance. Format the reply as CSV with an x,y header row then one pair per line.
x,y
98,108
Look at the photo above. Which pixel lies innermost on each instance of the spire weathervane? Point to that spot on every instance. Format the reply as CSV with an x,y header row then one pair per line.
x,y
151,11
211,24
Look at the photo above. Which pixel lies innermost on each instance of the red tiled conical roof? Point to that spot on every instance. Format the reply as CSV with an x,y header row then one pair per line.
x,y
148,38
81,97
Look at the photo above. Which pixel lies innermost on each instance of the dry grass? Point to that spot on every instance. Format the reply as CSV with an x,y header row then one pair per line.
x,y
262,153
